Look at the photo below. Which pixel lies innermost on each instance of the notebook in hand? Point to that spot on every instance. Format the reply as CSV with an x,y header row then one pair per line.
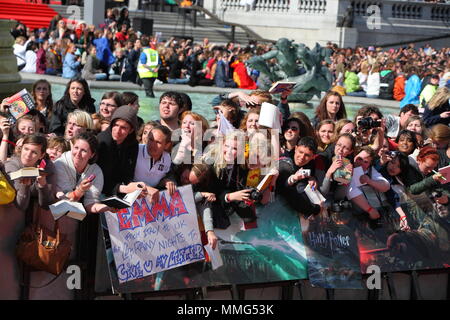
x,y
29,172
126,202
21,103
314,195
342,174
445,171
280,86
265,183
357,173
72,209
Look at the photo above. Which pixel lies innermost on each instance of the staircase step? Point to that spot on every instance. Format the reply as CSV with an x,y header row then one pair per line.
x,y
169,23
33,15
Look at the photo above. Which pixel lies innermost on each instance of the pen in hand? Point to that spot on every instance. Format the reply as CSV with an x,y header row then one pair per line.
x,y
441,176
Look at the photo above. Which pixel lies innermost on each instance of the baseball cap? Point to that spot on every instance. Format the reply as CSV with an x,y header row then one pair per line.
x,y
371,48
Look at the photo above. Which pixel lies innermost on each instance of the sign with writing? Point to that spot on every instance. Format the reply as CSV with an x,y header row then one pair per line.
x,y
271,250
146,238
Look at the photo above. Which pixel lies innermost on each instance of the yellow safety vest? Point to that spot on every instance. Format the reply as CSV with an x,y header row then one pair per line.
x,y
152,62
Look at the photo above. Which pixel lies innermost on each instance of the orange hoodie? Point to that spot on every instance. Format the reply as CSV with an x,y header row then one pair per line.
x,y
399,87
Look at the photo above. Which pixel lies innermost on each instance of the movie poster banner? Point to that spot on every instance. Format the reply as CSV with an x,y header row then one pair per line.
x,y
344,243
332,251
424,244
271,250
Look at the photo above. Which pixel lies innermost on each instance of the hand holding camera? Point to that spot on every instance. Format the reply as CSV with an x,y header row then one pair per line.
x,y
241,195
368,123
303,174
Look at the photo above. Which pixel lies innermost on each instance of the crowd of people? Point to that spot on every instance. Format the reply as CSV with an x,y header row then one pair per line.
x,y
115,51
404,74
94,151
398,155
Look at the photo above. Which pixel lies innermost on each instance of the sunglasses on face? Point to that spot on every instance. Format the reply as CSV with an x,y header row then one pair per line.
x,y
292,128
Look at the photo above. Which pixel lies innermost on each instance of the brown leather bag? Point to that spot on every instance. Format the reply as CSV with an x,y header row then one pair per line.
x,y
43,249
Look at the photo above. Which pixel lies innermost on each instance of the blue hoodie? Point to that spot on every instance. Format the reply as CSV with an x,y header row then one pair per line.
x,y
412,91
104,53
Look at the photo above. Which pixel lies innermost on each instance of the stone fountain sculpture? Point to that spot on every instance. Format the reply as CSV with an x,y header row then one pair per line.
x,y
297,63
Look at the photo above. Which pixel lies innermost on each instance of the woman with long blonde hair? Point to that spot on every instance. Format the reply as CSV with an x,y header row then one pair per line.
x,y
438,109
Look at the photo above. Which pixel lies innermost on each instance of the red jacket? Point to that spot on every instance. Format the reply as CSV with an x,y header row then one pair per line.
x,y
241,77
399,87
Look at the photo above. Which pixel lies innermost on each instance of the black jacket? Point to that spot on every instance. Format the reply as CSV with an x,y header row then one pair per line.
x,y
118,161
295,194
432,117
61,109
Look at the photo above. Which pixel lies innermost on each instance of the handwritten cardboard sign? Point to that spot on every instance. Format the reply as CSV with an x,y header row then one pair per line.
x,y
147,238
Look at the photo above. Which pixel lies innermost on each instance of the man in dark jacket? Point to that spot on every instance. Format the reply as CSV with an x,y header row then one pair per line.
x,y
117,152
296,175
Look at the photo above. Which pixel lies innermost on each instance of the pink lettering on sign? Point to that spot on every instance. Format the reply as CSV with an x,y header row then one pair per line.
x,y
141,214
177,207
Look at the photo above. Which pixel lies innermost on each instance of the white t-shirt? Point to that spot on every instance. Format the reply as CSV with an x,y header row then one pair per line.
x,y
149,171
373,84
30,58
354,191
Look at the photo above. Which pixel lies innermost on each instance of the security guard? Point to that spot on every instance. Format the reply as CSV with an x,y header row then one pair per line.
x,y
148,67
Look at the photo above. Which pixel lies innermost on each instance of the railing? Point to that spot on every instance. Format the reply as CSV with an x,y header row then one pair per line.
x,y
272,5
312,6
360,7
300,6
440,13
404,9
388,9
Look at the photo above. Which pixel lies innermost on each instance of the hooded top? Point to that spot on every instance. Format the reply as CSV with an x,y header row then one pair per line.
x,y
118,161
128,114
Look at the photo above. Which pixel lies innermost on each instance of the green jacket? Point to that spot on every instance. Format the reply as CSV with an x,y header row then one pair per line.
x,y
427,93
351,81
417,183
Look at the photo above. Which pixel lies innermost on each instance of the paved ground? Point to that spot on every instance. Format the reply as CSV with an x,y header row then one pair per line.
x,y
124,86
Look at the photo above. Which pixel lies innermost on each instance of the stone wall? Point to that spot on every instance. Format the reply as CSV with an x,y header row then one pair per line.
x,y
311,21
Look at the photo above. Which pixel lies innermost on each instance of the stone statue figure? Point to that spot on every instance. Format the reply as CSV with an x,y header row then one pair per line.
x,y
297,63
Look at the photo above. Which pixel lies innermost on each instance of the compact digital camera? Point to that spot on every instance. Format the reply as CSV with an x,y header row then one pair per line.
x,y
305,172
368,123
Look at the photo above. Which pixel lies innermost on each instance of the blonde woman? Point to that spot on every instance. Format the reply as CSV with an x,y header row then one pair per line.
x,y
438,109
77,122
231,173
439,137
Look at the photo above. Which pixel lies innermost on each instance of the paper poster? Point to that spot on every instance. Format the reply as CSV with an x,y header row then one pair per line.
x,y
147,239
